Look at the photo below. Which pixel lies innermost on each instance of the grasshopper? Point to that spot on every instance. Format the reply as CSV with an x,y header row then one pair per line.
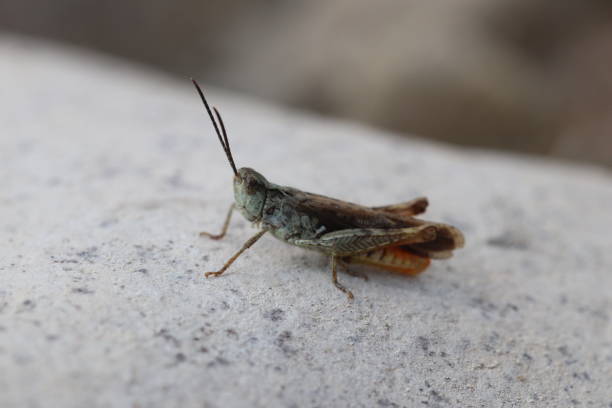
x,y
388,237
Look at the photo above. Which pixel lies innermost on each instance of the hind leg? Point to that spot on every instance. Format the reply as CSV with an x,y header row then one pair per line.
x,y
344,263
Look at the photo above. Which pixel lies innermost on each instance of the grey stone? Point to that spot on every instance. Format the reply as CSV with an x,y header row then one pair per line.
x,y
108,172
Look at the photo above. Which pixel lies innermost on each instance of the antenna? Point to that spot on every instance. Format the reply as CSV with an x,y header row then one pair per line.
x,y
222,139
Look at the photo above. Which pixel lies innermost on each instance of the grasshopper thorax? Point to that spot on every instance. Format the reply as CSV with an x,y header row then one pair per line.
x,y
250,191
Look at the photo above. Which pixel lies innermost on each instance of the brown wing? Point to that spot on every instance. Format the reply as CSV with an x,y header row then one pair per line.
x,y
407,209
337,215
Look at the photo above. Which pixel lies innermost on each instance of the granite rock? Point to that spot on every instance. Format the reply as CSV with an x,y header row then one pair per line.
x,y
109,172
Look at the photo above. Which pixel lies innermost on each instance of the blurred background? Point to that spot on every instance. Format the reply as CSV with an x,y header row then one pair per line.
x,y
531,76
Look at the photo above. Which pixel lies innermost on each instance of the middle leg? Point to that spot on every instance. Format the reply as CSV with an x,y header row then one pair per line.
x,y
335,278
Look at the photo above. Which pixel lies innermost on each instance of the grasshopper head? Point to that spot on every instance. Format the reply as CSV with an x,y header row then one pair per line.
x,y
250,189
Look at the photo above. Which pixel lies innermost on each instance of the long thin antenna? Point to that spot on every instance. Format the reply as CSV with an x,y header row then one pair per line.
x,y
222,139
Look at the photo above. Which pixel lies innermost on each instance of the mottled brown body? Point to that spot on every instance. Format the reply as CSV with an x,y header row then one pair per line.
x,y
388,237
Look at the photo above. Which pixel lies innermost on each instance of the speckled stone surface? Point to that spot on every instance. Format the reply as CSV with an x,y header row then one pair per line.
x,y
107,174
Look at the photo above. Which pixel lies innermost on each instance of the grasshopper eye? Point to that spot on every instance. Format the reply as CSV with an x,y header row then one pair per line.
x,y
252,186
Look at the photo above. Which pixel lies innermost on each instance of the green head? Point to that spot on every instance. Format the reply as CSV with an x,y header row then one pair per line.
x,y
250,187
250,190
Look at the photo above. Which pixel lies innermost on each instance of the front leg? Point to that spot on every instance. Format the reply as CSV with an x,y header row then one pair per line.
x,y
230,261
225,226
